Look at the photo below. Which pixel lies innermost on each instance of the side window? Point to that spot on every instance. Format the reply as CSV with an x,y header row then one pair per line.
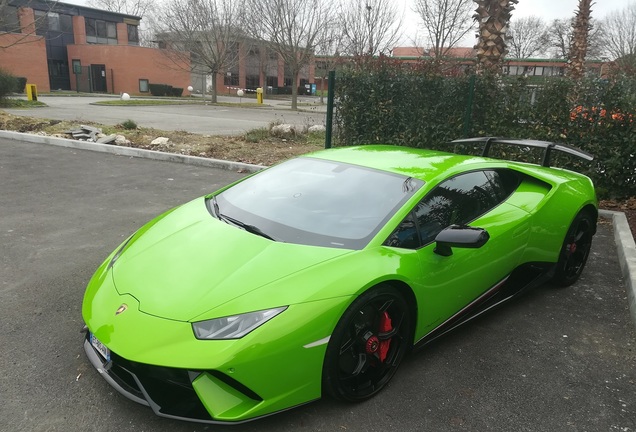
x,y
405,235
456,201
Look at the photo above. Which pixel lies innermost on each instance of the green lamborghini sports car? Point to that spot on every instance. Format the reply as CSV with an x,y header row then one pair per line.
x,y
318,275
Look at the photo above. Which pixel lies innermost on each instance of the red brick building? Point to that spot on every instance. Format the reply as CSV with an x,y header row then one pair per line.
x,y
467,57
60,46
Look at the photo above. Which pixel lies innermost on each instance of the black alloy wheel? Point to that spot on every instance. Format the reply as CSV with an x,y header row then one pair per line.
x,y
367,345
575,250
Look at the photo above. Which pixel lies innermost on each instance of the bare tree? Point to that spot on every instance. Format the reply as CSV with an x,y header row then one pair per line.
x,y
445,22
619,35
203,33
292,29
526,37
558,38
492,17
328,48
578,45
369,27
129,7
11,25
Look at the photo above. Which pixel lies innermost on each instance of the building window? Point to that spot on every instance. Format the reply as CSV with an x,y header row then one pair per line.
x,y
101,32
66,23
41,25
133,35
144,86
231,79
252,81
53,21
11,21
272,81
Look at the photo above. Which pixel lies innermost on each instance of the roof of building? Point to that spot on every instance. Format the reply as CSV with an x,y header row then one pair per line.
x,y
68,8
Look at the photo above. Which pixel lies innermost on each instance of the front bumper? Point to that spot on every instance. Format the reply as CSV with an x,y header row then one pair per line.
x,y
159,362
173,392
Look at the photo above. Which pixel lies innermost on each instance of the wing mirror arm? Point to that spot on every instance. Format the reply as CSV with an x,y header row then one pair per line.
x,y
460,236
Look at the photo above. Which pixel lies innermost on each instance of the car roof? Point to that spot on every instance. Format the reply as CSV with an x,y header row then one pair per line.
x,y
421,164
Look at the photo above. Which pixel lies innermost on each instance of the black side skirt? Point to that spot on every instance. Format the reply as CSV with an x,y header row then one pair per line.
x,y
523,278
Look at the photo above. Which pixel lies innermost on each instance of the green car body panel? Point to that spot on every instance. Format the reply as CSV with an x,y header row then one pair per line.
x,y
186,266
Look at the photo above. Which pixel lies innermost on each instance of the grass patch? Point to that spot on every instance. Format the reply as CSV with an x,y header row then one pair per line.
x,y
257,135
241,104
20,103
146,102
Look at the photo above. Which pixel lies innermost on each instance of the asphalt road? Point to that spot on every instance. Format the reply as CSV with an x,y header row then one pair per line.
x,y
197,118
555,360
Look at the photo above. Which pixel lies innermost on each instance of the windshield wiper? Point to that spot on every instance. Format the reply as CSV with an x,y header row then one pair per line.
x,y
215,208
247,227
227,219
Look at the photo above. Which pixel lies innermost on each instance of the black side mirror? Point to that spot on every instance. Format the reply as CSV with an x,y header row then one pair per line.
x,y
460,236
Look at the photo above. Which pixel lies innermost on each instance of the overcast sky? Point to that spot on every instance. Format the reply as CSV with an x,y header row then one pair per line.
x,y
546,9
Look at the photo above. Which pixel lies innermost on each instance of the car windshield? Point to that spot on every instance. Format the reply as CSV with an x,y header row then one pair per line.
x,y
316,202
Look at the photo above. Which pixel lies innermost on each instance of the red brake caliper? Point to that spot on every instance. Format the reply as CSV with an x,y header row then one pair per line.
x,y
385,327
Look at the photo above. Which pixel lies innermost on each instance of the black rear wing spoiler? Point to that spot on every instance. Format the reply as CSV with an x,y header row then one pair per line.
x,y
546,145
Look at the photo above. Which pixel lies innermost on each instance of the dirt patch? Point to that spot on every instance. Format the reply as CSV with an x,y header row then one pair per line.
x,y
628,207
259,149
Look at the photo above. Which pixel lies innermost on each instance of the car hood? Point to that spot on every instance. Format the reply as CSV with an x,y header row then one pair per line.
x,y
186,262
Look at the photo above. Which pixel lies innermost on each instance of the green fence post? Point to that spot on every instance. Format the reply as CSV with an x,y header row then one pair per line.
x,y
330,97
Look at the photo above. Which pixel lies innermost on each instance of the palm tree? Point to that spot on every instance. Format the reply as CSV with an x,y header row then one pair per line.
x,y
578,45
492,17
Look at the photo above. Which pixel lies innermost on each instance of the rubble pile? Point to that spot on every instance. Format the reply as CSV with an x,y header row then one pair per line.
x,y
93,134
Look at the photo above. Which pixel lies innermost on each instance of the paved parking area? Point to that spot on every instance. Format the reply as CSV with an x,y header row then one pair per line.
x,y
555,360
197,118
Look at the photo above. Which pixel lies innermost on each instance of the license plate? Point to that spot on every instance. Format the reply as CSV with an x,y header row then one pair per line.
x,y
100,347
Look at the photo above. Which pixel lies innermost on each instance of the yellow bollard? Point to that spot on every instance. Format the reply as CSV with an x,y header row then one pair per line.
x,y
32,92
259,95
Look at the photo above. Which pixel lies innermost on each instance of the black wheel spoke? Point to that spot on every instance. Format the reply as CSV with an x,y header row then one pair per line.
x,y
371,342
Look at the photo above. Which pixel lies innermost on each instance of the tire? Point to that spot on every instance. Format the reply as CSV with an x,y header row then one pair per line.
x,y
367,345
575,249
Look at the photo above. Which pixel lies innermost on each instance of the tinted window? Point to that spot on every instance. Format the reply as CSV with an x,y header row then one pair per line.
x,y
133,35
10,22
317,202
66,23
456,201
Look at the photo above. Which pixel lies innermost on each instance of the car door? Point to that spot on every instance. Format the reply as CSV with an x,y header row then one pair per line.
x,y
450,283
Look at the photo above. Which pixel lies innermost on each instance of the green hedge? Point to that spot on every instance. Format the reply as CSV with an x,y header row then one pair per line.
x,y
21,84
165,90
8,84
413,105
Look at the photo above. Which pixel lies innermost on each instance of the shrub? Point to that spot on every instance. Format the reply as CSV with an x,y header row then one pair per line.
x,y
413,105
129,124
8,84
21,84
165,90
159,89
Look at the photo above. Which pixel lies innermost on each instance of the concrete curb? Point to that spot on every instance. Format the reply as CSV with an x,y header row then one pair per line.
x,y
134,152
626,254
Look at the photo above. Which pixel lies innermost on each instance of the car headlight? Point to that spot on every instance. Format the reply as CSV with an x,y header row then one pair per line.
x,y
233,327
